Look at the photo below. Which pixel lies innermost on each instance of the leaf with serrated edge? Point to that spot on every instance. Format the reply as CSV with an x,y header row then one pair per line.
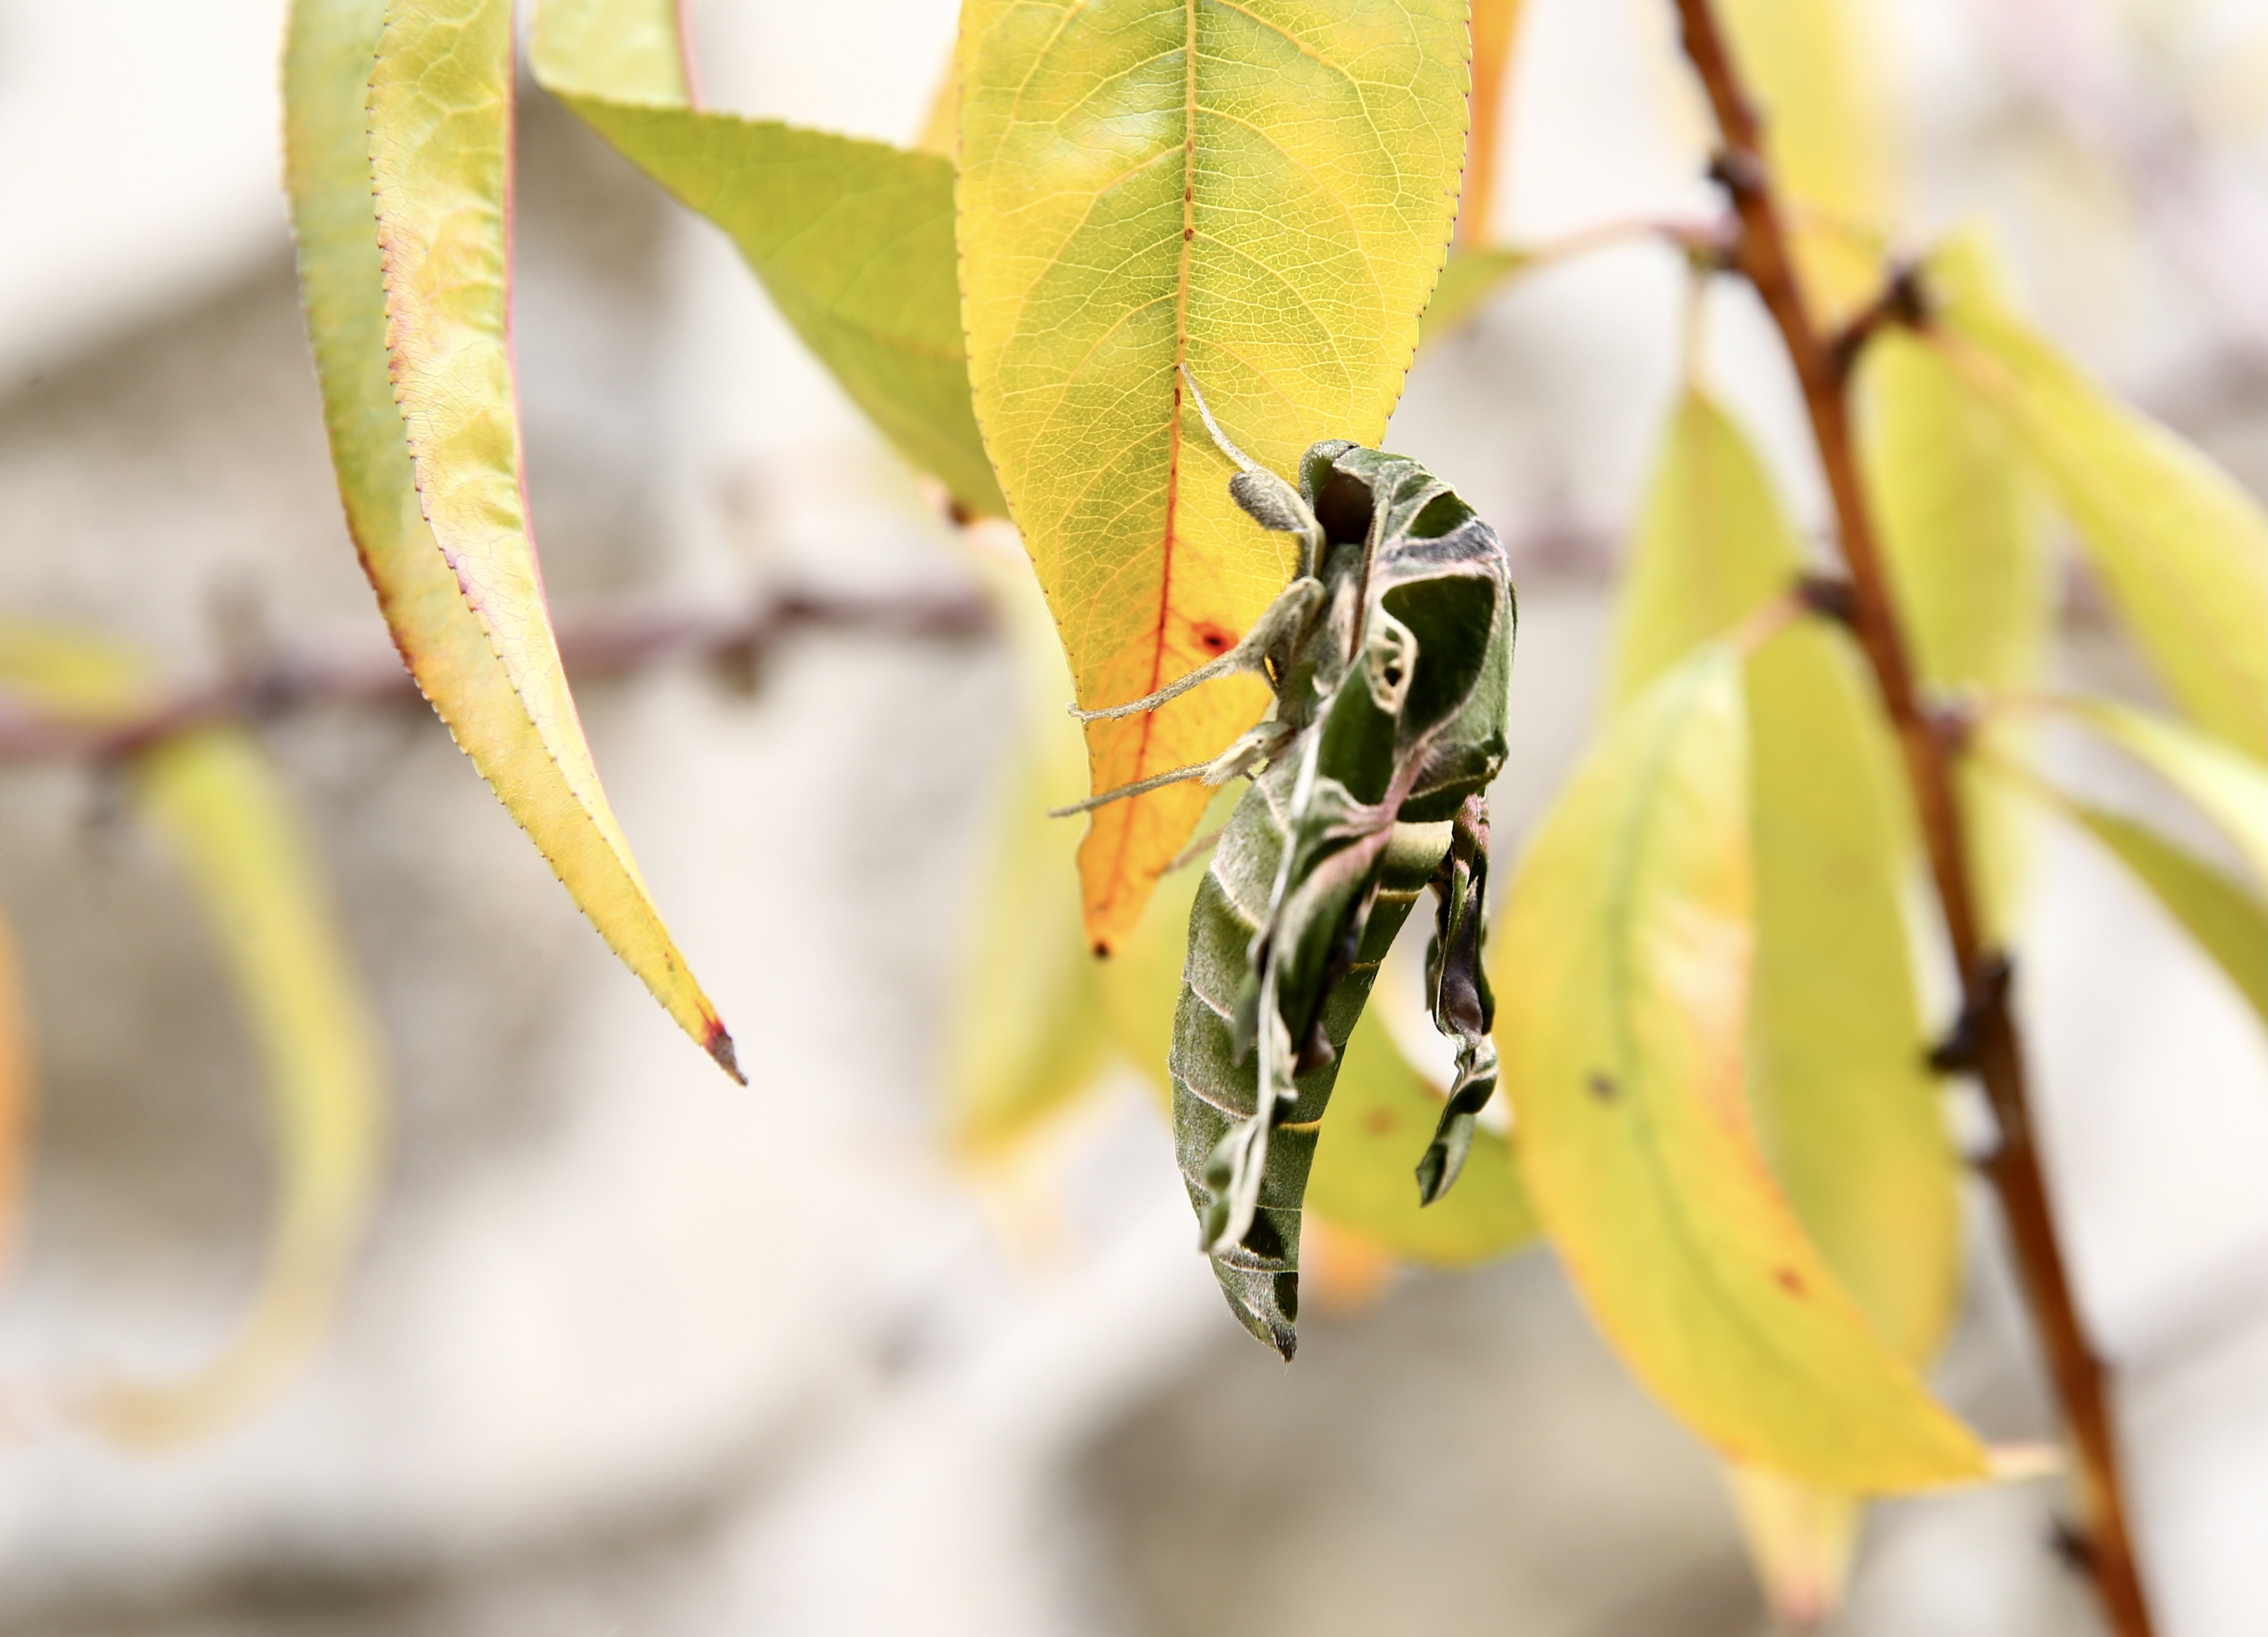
x,y
852,239
1965,540
1622,965
232,825
491,670
1382,1113
1262,193
2181,549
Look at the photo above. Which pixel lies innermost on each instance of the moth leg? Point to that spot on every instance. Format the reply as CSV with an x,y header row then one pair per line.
x,y
1267,499
1247,753
1273,634
1457,989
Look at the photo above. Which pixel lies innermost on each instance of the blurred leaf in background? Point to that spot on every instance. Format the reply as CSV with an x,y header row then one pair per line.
x,y
232,828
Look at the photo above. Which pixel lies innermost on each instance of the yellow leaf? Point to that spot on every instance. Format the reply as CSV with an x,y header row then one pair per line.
x,y
232,825
457,577
1623,978
2181,548
853,240
1262,196
1495,28
1381,1115
1964,539
1818,76
1845,1112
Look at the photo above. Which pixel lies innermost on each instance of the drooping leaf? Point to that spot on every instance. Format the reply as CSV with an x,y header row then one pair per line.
x,y
1844,1103
2226,920
1844,1109
853,240
1261,195
2181,549
1495,28
2229,789
1811,69
232,825
1624,961
1383,1112
454,569
1963,536
233,829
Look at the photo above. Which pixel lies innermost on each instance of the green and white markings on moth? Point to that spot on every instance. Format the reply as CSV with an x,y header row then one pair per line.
x,y
1390,658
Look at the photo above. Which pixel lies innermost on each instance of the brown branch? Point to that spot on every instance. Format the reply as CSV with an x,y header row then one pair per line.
x,y
1821,367
618,642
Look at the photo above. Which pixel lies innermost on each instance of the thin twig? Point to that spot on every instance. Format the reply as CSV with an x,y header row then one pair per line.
x,y
614,643
1764,258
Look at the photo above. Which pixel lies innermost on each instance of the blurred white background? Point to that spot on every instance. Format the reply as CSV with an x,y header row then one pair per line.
x,y
633,1351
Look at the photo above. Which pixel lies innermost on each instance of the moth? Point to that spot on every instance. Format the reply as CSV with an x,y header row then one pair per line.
x,y
1389,654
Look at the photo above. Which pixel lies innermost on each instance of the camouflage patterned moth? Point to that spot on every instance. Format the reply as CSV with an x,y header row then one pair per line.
x,y
1390,658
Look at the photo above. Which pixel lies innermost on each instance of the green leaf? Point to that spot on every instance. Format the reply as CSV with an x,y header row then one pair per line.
x,y
462,593
1471,278
853,240
1383,1112
1261,194
2181,549
235,831
1964,539
2227,922
1623,978
2229,789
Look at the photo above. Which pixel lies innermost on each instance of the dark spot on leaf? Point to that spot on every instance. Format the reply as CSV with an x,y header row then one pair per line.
x,y
1102,950
1379,1121
1788,1280
1214,639
1602,1087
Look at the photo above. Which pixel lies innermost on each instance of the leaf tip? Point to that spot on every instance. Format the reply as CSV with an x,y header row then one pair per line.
x,y
718,1042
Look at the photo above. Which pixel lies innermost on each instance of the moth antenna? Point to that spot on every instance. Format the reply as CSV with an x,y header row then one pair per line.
x,y
1244,462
